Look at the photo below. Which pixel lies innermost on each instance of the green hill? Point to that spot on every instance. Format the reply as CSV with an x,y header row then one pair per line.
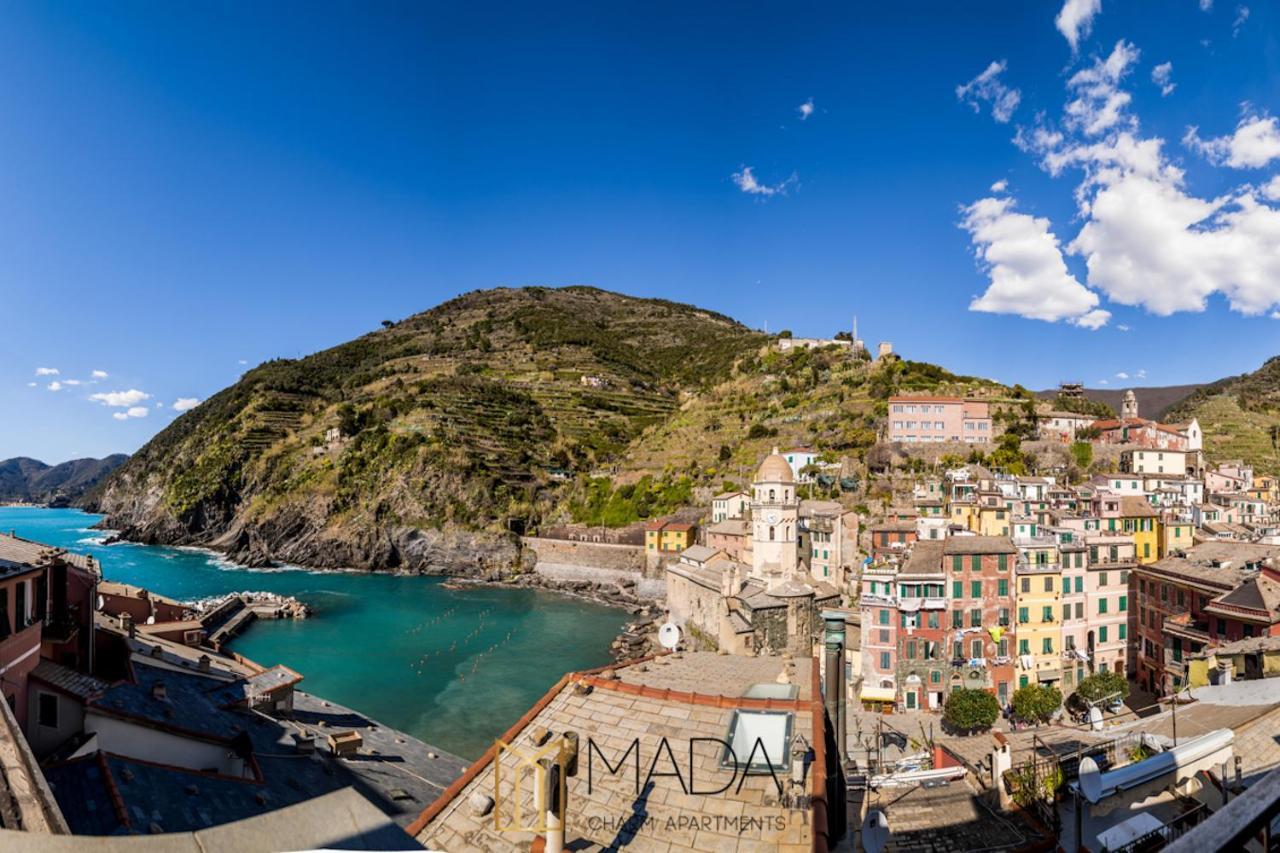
x,y
406,446
1240,417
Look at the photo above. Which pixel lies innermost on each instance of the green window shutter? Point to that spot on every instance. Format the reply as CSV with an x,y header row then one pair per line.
x,y
957,563
1124,603
1102,605
1003,587
1003,562
1124,631
957,589
1102,634
975,589
1023,616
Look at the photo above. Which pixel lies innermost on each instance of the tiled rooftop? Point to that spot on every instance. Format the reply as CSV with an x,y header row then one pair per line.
x,y
606,813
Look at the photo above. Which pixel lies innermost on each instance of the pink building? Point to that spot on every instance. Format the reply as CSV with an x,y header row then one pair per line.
x,y
937,419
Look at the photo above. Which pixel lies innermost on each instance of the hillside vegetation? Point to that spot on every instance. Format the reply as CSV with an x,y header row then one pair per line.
x,y
397,448
30,480
1240,417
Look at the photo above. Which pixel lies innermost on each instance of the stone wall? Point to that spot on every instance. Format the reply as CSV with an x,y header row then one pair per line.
x,y
595,555
652,588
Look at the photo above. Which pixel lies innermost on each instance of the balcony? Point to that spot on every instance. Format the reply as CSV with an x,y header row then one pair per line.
x,y
1182,625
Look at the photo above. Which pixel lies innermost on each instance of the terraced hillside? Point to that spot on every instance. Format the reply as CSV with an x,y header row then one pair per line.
x,y
1240,417
420,444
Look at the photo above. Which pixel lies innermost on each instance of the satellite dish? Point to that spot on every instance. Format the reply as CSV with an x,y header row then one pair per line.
x,y
1095,718
875,831
151,620
669,636
1090,779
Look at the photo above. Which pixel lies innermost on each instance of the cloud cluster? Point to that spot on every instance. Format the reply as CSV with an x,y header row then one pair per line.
x,y
746,181
1162,76
987,87
47,371
185,404
131,412
120,399
1023,259
1075,20
806,109
1253,145
1144,237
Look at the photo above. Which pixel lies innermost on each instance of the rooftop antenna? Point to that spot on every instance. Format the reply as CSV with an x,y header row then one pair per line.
x,y
855,330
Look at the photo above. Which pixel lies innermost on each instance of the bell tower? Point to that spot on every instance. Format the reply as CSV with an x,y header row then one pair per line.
x,y
775,513
1129,406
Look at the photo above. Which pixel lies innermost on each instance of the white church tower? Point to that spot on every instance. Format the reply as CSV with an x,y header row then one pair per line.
x,y
1129,405
775,512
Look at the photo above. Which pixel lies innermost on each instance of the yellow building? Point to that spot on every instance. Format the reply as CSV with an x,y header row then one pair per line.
x,y
668,536
964,513
1252,657
1039,628
1265,488
1138,519
1173,536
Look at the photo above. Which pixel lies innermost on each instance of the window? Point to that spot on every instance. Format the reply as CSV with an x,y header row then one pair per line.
x,y
935,677
1047,646
933,618
1102,606
1002,587
884,617
1046,613
1102,633
957,650
1004,616
1002,562
957,589
1026,584
911,649
1079,609
1024,648
1102,578
1023,616
884,660
957,563
975,563
1048,584
47,709
957,619
1124,603
1066,612
1124,631
1080,583
975,589
1002,648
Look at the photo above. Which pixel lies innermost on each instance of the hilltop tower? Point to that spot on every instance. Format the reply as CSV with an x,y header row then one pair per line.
x,y
1129,406
775,513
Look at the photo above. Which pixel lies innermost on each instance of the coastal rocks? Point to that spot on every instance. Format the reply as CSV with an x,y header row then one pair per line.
x,y
265,605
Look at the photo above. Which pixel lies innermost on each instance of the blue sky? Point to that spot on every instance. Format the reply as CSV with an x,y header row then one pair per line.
x,y
187,189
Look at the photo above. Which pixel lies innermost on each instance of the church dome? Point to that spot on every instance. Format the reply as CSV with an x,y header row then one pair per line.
x,y
774,469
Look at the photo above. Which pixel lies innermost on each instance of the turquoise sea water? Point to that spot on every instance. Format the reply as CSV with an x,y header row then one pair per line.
x,y
454,668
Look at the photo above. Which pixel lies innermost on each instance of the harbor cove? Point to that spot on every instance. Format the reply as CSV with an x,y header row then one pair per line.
x,y
407,650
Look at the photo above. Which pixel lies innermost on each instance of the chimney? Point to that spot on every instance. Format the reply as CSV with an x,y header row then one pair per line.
x,y
834,689
204,663
126,622
158,691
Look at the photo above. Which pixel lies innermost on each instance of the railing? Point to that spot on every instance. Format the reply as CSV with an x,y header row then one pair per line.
x,y
1157,839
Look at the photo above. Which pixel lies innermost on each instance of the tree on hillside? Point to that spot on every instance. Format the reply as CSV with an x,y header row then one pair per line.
x,y
1082,454
1036,703
1100,685
1008,454
970,710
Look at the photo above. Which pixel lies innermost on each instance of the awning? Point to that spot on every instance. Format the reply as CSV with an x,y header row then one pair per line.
x,y
1049,675
877,694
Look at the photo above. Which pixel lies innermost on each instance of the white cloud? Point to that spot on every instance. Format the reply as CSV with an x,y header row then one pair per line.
x,y
120,399
1099,103
1028,276
131,412
71,382
32,384
805,109
746,181
1121,327
1141,374
46,371
1206,5
1075,20
1122,375
1271,189
1242,15
99,374
1255,143
243,361
988,87
1162,76
183,404
1103,382
54,386
1000,186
